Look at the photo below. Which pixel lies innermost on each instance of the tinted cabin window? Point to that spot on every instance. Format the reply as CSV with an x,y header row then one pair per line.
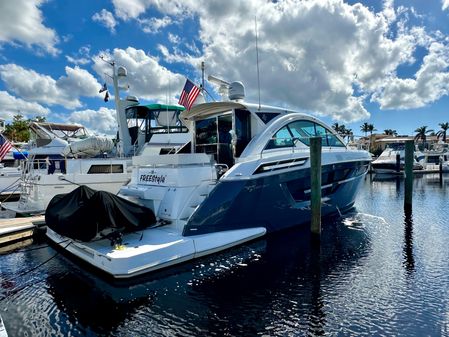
x,y
282,138
242,130
206,135
213,137
97,169
266,117
302,131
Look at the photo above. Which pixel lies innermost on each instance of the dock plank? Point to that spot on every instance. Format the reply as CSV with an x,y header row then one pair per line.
x,y
19,228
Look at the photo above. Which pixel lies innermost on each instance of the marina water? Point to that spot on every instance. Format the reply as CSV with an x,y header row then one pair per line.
x,y
377,271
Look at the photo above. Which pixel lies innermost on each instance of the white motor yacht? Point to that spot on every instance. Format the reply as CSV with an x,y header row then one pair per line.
x,y
432,158
63,157
392,160
243,172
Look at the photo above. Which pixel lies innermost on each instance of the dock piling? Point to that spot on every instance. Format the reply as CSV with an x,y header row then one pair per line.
x,y
315,185
398,163
409,156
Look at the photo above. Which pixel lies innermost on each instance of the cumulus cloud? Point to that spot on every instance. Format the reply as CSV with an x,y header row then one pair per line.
x,y
101,122
21,23
146,77
11,105
132,9
154,25
82,57
105,18
326,56
445,4
36,87
431,82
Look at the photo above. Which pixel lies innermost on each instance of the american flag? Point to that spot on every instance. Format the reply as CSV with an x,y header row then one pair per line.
x,y
189,94
5,146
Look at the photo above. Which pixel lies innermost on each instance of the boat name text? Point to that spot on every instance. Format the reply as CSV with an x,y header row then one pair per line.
x,y
152,178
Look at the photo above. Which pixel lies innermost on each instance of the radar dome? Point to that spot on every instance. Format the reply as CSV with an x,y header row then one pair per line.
x,y
236,91
121,71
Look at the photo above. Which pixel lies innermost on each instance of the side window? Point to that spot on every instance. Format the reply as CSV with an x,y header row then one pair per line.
x,y
327,138
282,138
302,131
322,132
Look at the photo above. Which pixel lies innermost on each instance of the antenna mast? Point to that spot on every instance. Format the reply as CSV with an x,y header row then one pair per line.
x,y
257,60
202,76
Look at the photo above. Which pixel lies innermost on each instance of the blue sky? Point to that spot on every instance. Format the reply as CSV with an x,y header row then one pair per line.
x,y
381,62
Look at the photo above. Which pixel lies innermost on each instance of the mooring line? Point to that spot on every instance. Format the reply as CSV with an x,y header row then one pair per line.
x,y
18,289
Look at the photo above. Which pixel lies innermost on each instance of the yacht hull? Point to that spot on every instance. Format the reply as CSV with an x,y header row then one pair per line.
x,y
275,202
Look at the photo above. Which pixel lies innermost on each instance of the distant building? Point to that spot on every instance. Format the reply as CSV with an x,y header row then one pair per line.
x,y
379,141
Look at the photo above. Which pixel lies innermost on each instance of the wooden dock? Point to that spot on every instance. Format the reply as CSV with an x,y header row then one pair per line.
x,y
15,229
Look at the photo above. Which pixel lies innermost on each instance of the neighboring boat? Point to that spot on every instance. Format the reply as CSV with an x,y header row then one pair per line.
x,y
64,156
437,155
10,172
242,172
392,160
48,171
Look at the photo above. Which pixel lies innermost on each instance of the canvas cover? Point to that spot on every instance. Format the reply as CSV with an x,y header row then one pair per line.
x,y
84,212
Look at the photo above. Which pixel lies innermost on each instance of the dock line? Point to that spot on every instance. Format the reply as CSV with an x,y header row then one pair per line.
x,y
17,290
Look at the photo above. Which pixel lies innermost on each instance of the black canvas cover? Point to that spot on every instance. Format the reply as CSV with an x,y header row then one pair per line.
x,y
84,212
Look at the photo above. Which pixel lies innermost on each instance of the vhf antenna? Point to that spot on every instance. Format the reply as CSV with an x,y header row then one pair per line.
x,y
257,60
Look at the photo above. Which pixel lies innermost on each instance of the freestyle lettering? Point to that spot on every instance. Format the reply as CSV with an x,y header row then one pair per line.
x,y
152,178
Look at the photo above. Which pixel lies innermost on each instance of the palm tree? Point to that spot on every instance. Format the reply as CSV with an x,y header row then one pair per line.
x,y
349,134
340,129
365,128
371,129
336,126
421,133
390,132
444,127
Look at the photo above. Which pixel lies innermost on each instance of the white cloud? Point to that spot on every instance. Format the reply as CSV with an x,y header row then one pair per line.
x,y
99,122
105,18
21,22
154,25
82,57
445,4
173,38
132,9
10,106
146,77
431,82
312,54
36,87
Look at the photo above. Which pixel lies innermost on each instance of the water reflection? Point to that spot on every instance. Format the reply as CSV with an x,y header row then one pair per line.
x,y
317,318
409,260
271,286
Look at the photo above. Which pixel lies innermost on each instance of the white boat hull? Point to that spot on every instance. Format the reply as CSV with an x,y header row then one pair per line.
x,y
9,180
151,249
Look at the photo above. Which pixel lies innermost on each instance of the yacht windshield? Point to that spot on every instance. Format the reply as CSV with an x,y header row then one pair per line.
x,y
302,131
